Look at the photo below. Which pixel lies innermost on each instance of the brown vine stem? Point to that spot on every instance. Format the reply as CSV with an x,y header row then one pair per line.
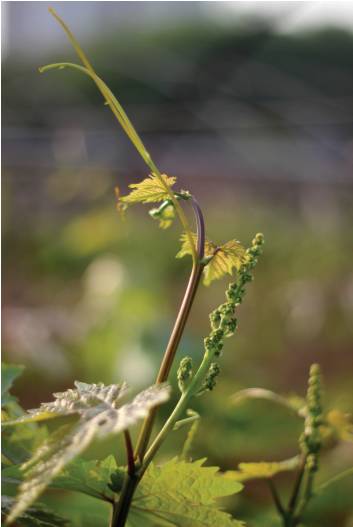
x,y
178,328
129,453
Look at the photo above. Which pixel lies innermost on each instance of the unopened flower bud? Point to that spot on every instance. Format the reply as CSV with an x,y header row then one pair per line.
x,y
184,373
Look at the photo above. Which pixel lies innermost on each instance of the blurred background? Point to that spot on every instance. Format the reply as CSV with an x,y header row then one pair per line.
x,y
250,105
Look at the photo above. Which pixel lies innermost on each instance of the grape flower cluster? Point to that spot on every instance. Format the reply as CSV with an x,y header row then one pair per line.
x,y
223,320
310,441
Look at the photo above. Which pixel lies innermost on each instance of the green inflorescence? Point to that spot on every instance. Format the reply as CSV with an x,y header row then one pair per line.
x,y
211,377
223,320
310,440
184,374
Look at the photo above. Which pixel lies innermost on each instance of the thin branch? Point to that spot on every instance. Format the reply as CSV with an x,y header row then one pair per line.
x,y
276,498
307,494
296,489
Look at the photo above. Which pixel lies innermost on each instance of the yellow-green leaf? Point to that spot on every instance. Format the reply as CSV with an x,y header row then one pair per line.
x,y
183,494
223,259
150,190
263,469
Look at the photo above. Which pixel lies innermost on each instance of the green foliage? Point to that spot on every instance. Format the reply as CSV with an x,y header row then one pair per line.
x,y
19,443
183,494
89,477
9,373
36,516
101,414
221,259
263,469
150,190
319,430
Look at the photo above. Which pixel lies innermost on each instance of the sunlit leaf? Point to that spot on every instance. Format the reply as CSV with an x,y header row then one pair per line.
x,y
100,414
150,190
182,494
263,469
223,259
81,400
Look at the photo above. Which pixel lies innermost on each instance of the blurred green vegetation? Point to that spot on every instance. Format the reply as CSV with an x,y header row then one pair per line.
x,y
94,299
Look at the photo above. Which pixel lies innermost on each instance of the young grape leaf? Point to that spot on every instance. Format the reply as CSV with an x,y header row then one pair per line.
x,y
37,516
99,414
9,373
223,259
150,190
262,469
183,494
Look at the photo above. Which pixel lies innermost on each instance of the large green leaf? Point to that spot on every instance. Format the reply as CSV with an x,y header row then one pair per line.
x,y
182,494
100,414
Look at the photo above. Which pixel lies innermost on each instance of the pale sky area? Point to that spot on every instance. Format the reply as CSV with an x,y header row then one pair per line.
x,y
29,29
